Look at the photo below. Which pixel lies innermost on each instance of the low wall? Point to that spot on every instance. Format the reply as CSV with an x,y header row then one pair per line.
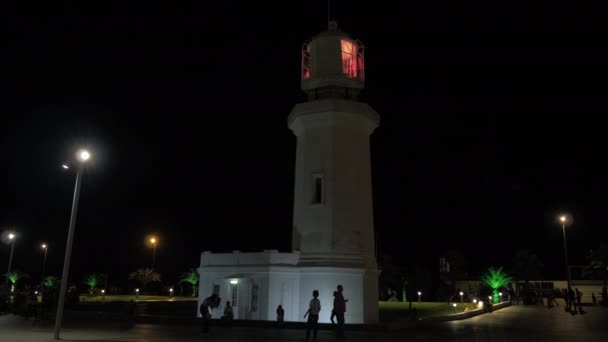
x,y
468,314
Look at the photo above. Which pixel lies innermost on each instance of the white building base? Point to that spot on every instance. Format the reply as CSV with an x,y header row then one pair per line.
x,y
257,283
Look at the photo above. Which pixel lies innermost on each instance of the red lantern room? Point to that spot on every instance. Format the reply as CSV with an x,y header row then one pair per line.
x,y
332,59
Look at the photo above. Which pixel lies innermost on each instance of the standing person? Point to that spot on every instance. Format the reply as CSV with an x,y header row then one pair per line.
x,y
228,314
333,311
340,308
571,301
551,300
280,315
210,302
579,304
313,315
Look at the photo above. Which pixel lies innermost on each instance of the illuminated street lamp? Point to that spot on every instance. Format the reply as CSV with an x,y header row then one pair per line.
x,y
45,248
103,294
171,292
419,296
461,296
11,239
500,295
563,219
136,293
82,156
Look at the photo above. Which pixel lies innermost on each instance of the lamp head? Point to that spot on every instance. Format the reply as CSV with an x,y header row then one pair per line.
x,y
11,236
43,246
83,155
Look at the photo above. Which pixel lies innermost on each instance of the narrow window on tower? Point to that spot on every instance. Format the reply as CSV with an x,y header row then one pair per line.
x,y
317,197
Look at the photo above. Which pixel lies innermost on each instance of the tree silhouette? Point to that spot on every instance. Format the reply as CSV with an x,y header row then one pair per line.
x,y
144,276
526,266
190,277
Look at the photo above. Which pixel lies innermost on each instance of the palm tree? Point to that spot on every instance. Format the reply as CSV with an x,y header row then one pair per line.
x,y
598,267
495,278
49,281
144,276
191,277
91,281
13,277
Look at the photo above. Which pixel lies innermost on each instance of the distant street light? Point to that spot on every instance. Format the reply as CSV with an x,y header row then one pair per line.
x,y
45,248
170,292
11,238
563,219
419,296
461,297
82,156
103,294
136,293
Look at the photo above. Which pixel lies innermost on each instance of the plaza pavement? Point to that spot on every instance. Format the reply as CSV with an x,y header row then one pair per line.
x,y
516,323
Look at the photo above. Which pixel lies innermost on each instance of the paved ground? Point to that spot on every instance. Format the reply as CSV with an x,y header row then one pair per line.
x,y
516,323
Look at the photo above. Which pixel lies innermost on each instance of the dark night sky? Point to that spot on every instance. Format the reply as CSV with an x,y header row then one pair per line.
x,y
492,122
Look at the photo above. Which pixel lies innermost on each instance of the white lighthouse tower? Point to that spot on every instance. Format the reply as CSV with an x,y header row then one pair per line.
x,y
333,228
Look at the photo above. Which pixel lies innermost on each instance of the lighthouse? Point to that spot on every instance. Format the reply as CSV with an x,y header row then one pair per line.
x,y
333,226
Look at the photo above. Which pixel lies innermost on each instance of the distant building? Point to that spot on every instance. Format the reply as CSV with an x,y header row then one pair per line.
x,y
333,233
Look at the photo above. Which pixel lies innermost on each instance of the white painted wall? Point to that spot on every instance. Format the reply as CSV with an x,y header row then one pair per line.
x,y
292,287
333,141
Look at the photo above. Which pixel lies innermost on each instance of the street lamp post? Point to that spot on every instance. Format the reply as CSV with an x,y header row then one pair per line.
x,y
461,296
82,156
45,248
563,221
419,296
153,242
11,238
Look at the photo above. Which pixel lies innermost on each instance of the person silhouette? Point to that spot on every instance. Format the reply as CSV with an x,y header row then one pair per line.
x,y
313,315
